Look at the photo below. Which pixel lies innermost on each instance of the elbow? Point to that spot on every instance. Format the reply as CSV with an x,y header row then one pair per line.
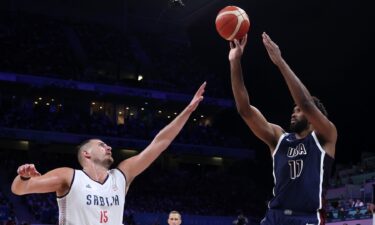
x,y
166,144
243,108
16,190
307,105
243,111
161,143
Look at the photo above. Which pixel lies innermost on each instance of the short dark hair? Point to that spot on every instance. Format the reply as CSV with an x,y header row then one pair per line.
x,y
320,105
79,149
175,212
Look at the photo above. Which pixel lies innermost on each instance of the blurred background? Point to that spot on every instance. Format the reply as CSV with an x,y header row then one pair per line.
x,y
121,70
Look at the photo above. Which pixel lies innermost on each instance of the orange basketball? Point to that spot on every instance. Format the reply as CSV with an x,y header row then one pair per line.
x,y
232,22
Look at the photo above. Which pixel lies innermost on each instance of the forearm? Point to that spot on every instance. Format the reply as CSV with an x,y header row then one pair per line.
x,y
169,133
132,167
240,93
298,90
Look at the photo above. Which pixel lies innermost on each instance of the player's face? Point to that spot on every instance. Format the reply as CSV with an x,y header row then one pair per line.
x,y
298,121
102,153
174,219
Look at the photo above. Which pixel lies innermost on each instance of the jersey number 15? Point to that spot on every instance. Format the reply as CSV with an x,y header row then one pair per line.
x,y
103,216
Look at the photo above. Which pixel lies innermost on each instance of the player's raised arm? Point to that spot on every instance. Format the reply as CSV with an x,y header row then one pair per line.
x,y
133,166
267,132
323,127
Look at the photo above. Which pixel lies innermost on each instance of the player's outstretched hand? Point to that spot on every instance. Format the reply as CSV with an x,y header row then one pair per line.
x,y
28,170
198,97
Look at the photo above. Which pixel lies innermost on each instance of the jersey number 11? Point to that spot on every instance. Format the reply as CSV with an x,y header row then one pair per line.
x,y
296,167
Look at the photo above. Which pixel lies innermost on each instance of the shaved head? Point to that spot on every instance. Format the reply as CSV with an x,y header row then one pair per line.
x,y
95,151
80,148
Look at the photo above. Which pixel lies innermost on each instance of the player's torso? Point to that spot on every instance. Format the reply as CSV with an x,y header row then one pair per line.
x,y
299,172
89,202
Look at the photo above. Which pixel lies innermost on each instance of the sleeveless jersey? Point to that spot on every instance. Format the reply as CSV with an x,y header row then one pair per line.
x,y
301,170
89,202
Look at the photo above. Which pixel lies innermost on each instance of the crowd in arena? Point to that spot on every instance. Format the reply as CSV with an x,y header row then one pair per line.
x,y
22,112
32,45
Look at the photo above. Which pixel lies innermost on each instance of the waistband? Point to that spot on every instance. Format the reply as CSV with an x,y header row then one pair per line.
x,y
289,212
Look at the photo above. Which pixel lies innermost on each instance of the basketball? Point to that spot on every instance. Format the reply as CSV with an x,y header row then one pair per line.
x,y
232,23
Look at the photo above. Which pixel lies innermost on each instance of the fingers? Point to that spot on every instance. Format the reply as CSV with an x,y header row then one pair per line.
x,y
198,97
231,45
28,170
201,89
266,36
196,102
237,43
268,41
244,40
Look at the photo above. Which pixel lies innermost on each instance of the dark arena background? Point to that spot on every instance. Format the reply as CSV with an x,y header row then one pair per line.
x,y
120,70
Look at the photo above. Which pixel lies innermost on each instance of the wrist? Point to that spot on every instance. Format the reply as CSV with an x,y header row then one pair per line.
x,y
281,63
235,59
24,178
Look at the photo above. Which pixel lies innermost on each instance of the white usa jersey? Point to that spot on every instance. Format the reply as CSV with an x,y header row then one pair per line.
x,y
89,202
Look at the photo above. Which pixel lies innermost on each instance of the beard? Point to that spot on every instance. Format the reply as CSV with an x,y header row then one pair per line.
x,y
108,162
299,126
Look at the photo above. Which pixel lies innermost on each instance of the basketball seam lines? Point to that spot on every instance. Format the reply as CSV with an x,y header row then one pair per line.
x,y
240,14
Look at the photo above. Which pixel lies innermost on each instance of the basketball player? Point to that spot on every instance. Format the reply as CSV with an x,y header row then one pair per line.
x,y
302,159
174,218
96,194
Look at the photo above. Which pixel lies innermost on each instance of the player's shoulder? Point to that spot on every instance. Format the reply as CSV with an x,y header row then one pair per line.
x,y
117,171
66,172
62,169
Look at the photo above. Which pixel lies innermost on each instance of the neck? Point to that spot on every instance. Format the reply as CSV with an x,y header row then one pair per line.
x,y
96,172
303,133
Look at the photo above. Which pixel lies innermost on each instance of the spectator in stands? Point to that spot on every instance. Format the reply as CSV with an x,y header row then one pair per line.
x,y
342,213
174,218
241,220
358,203
351,203
96,194
357,214
312,140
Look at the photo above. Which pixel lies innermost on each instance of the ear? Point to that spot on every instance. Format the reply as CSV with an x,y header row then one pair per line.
x,y
86,154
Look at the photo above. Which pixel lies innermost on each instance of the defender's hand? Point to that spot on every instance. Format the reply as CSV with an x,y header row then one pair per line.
x,y
28,170
198,97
